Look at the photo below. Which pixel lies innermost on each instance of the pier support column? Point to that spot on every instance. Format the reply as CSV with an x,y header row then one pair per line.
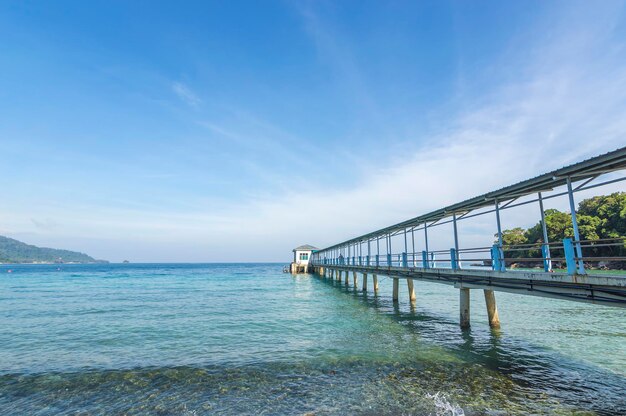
x,y
409,283
355,280
375,279
492,309
339,275
396,289
364,282
464,307
347,278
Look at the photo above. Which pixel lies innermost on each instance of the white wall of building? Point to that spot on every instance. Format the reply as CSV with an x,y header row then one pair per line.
x,y
298,257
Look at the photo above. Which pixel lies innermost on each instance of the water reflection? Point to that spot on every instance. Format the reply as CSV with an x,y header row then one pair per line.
x,y
529,368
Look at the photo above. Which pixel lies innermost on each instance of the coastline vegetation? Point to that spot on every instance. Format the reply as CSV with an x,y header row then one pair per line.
x,y
14,251
599,218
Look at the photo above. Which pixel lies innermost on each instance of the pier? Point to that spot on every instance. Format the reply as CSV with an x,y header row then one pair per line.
x,y
402,251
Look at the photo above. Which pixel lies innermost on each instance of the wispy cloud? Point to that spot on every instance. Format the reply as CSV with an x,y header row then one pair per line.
x,y
186,94
336,51
45,224
568,104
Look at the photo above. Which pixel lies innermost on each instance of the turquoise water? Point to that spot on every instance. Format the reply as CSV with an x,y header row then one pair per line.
x,y
248,339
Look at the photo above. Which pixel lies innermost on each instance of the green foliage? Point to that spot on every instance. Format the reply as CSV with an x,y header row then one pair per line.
x,y
600,217
13,251
514,237
610,211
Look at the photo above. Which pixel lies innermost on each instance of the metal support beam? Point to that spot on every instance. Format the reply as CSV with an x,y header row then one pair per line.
x,y
377,247
413,246
456,242
406,248
426,241
500,241
545,247
572,205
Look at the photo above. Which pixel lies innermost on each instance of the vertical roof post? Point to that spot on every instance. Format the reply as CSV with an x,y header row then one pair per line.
x,y
413,244
456,241
405,245
572,206
545,247
426,238
500,240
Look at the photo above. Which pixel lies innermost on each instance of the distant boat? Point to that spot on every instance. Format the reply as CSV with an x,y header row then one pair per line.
x,y
125,261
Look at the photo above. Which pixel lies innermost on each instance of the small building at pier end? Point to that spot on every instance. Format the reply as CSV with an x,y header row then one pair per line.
x,y
301,257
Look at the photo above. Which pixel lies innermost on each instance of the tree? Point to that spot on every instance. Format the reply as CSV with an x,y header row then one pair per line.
x,y
600,217
607,215
514,237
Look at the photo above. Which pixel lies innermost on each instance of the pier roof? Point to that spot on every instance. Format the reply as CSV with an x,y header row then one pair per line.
x,y
585,170
305,247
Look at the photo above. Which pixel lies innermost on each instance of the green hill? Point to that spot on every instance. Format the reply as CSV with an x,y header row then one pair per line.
x,y
13,251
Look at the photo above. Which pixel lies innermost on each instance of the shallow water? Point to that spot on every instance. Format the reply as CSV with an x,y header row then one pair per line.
x,y
248,339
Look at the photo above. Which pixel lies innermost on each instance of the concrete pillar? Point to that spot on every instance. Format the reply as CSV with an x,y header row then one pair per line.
x,y
492,309
396,287
364,282
409,283
355,280
464,307
339,275
375,279
346,280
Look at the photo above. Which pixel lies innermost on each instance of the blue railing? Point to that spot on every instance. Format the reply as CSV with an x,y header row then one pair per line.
x,y
550,256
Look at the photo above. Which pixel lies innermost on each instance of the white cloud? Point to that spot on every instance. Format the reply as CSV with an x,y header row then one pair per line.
x,y
570,105
186,94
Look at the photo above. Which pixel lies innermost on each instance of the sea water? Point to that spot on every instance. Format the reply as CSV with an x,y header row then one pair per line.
x,y
239,339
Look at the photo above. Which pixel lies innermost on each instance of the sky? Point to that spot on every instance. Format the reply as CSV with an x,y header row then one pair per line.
x,y
209,131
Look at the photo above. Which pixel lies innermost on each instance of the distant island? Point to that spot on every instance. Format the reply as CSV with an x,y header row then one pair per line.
x,y
13,251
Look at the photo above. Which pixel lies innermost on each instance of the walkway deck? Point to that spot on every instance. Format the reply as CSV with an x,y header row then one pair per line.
x,y
591,288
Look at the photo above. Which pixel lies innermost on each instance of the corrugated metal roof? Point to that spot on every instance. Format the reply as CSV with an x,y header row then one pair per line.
x,y
305,247
608,162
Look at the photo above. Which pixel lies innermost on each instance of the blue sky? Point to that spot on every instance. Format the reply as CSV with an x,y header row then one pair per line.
x,y
225,131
